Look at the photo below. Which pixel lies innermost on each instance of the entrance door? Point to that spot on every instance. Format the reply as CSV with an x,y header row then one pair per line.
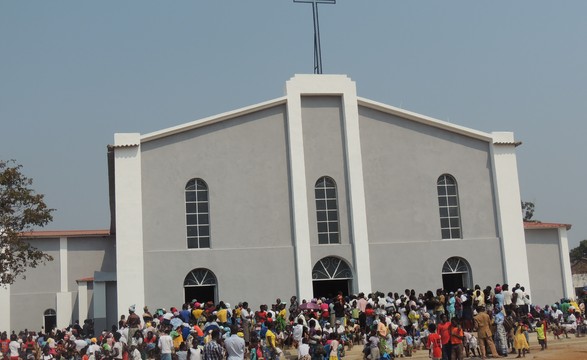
x,y
456,273
331,275
453,282
330,288
50,320
201,293
200,284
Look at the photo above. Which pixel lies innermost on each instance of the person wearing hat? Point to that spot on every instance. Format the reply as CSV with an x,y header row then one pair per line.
x,y
133,322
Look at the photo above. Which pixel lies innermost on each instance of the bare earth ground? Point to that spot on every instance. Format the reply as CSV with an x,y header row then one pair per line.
x,y
566,349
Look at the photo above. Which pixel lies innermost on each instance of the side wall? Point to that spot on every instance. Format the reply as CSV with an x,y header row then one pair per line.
x,y
544,261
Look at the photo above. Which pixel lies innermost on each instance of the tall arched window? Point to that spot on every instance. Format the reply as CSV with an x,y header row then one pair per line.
x,y
448,203
197,214
327,211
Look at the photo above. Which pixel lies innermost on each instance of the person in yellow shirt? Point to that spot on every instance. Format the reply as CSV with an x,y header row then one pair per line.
x,y
270,349
197,312
222,314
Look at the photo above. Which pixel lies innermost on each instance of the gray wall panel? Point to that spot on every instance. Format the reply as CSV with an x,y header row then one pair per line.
x,y
324,156
545,266
86,255
418,265
28,309
244,163
402,161
256,275
44,278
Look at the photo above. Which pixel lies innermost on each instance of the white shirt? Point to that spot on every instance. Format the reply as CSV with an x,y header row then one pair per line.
x,y
235,347
165,344
303,350
298,332
195,354
507,297
14,346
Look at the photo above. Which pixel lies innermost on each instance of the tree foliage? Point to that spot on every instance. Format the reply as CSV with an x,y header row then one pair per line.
x,y
21,210
528,210
579,252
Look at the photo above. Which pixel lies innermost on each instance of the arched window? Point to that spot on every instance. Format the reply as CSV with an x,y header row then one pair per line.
x,y
197,214
448,203
200,284
327,211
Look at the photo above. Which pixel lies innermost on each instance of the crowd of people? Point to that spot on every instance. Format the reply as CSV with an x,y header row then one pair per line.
x,y
448,325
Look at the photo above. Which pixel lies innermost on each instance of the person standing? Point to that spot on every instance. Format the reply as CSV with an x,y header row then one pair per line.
x,y
246,322
444,330
165,345
133,322
483,323
456,339
234,345
213,350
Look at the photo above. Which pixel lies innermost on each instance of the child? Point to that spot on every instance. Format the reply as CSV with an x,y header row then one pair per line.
x,y
434,343
520,342
409,345
471,345
540,335
456,339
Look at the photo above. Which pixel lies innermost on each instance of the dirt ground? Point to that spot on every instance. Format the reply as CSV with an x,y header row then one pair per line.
x,y
565,349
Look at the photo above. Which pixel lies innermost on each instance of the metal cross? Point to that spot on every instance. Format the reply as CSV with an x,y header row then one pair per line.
x,y
317,48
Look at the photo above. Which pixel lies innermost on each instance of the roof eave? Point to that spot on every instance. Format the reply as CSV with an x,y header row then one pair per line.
x,y
212,119
426,120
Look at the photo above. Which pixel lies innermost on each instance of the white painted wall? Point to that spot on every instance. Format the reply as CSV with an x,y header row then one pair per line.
x,y
129,222
509,213
567,276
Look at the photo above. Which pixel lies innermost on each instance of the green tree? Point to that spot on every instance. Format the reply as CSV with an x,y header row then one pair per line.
x,y
21,210
579,252
528,210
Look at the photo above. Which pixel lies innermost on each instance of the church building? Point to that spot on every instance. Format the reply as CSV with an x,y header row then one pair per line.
x,y
312,193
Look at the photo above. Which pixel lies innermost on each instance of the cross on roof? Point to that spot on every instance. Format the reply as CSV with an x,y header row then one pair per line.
x,y
317,47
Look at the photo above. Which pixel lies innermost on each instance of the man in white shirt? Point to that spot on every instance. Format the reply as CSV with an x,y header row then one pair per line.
x,y
246,322
166,345
298,332
235,345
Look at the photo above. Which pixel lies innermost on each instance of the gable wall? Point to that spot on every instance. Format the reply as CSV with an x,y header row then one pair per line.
x,y
244,163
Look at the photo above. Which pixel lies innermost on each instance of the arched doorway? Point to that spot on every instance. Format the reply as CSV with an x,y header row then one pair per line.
x,y
50,320
456,274
200,284
331,275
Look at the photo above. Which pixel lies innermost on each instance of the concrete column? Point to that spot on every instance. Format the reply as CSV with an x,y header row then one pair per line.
x,y
567,279
64,309
129,222
82,301
299,195
100,306
63,264
509,211
5,309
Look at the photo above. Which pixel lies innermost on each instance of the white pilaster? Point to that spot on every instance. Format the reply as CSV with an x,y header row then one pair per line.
x,y
567,279
5,309
129,221
299,196
64,309
82,301
327,85
509,211
63,264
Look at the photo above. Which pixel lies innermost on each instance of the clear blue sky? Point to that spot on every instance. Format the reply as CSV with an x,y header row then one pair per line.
x,y
73,73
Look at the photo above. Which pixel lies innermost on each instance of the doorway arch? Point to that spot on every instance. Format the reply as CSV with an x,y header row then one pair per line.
x,y
456,274
331,275
200,284
49,320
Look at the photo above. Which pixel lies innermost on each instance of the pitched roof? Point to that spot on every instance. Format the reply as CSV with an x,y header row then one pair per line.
x,y
535,225
65,233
